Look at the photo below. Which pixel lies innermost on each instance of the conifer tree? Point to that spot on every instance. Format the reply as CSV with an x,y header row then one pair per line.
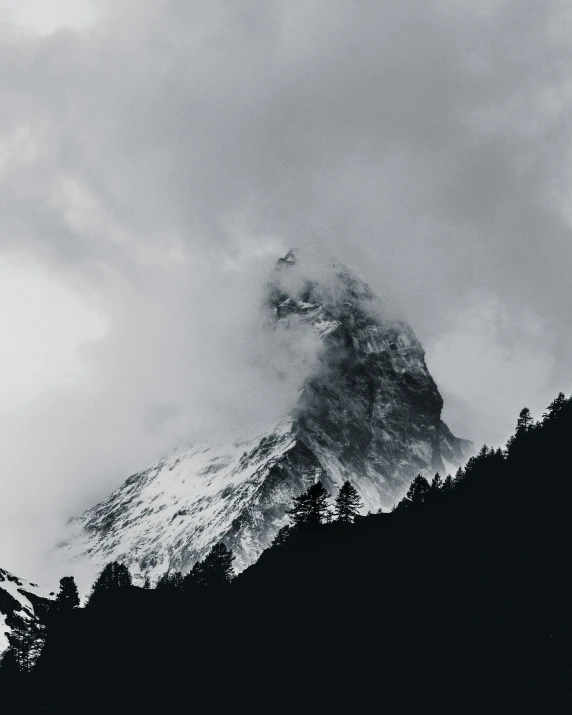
x,y
436,483
311,507
177,581
194,579
348,503
217,567
448,484
114,576
163,582
418,490
214,571
282,535
524,422
147,583
170,580
435,488
555,406
68,596
25,645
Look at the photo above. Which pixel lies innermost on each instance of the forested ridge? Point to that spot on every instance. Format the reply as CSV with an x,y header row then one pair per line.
x,y
460,600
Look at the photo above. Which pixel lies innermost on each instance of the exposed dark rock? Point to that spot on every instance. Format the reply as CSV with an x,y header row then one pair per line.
x,y
369,412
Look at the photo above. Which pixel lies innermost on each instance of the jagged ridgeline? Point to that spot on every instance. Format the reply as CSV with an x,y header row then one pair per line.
x,y
368,412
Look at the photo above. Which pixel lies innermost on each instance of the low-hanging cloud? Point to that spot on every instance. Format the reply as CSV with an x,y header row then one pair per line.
x,y
159,162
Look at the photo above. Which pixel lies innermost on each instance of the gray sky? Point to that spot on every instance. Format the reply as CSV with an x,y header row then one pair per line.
x,y
157,156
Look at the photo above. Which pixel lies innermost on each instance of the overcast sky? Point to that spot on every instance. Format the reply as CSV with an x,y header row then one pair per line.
x,y
157,156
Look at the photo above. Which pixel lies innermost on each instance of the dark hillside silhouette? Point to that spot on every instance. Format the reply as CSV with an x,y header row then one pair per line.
x,y
460,600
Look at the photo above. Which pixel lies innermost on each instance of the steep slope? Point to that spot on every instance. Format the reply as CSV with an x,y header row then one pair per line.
x,y
369,411
20,603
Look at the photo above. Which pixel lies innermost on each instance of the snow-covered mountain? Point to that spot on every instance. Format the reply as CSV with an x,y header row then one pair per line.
x,y
369,411
20,603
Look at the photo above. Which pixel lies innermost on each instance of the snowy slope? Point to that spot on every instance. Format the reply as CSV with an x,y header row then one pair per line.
x,y
20,602
369,412
176,509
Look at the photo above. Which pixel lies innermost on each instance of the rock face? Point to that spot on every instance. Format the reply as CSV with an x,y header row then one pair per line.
x,y
20,603
369,411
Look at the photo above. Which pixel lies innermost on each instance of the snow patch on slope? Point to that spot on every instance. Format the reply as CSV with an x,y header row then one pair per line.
x,y
16,605
180,506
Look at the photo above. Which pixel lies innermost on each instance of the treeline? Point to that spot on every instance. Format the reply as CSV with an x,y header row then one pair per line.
x,y
312,507
457,600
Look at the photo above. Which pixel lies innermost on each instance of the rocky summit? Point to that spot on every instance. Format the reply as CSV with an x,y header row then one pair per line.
x,y
368,411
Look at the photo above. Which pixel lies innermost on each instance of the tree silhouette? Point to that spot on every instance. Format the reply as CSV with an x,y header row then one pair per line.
x,y
214,571
418,490
436,483
311,507
448,484
194,579
68,596
418,493
555,406
524,422
504,636
170,580
25,645
348,503
113,577
217,567
282,535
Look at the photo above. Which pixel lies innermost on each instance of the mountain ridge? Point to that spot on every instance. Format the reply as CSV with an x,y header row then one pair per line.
x,y
369,411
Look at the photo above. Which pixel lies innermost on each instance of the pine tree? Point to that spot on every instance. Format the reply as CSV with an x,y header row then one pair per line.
x,y
25,645
163,582
311,507
281,537
194,579
524,422
170,581
436,483
348,503
122,576
435,488
555,406
214,571
68,596
217,567
113,577
448,484
147,583
418,490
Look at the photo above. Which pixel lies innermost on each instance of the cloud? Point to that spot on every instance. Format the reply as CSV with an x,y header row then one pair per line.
x,y
491,359
158,162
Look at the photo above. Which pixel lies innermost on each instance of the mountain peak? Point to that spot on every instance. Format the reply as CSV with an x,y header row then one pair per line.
x,y
289,258
368,412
